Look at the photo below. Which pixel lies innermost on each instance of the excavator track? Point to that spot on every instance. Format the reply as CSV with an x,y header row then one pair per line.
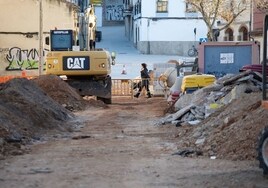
x,y
263,151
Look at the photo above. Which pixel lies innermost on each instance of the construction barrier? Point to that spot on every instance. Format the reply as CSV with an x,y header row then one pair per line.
x,y
124,87
6,78
128,87
120,87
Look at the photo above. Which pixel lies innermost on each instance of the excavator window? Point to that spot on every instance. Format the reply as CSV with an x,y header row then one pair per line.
x,y
61,40
47,40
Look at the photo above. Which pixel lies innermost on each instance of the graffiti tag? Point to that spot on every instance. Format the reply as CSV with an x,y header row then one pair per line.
x,y
22,59
114,12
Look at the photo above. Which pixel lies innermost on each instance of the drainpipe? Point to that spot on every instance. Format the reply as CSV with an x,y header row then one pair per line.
x,y
148,35
40,37
250,20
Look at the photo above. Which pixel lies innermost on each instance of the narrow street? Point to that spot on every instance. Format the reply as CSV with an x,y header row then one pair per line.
x,y
120,146
73,113
114,40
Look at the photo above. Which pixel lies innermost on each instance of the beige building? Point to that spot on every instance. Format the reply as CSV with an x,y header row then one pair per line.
x,y
19,31
238,30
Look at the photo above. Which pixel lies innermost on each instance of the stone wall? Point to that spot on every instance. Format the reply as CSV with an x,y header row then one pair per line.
x,y
165,47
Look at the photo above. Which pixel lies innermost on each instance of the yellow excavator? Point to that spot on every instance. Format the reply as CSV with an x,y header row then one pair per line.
x,y
87,70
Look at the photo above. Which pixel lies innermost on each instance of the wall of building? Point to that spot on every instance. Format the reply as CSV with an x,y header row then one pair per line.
x,y
98,13
113,12
128,18
19,40
167,33
257,32
243,20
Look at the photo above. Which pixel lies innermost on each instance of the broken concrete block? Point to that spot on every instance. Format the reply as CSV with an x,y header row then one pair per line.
x,y
175,122
194,122
183,101
197,134
226,120
200,141
235,93
181,112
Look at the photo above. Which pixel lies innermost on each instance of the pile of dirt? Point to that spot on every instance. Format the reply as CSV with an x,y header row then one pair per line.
x,y
237,128
61,92
26,113
36,110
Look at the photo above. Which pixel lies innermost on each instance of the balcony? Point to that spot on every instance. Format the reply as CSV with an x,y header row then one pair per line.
x,y
128,10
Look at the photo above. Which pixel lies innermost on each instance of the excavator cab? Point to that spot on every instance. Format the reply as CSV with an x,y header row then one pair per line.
x,y
263,139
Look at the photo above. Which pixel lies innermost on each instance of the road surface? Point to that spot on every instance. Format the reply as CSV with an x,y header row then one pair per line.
x,y
120,146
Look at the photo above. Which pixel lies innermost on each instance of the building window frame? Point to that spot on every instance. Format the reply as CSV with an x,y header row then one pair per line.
x,y
137,8
189,8
162,6
229,34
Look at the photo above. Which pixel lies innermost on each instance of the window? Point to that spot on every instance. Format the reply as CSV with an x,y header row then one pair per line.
x,y
229,35
243,33
162,6
137,8
190,8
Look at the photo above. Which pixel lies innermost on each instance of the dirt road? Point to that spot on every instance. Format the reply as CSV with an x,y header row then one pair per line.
x,y
119,147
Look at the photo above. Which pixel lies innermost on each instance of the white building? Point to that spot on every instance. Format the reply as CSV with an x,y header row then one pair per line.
x,y
163,26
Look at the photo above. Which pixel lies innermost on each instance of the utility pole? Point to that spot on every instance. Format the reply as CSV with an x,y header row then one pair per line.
x,y
40,37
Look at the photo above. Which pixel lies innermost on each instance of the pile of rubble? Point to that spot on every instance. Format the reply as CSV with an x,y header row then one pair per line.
x,y
222,120
193,108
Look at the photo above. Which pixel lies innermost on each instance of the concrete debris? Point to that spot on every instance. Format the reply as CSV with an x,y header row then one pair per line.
x,y
175,122
200,141
40,170
202,103
81,137
195,122
188,152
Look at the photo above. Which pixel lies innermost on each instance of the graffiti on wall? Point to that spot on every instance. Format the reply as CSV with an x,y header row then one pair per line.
x,y
19,59
114,12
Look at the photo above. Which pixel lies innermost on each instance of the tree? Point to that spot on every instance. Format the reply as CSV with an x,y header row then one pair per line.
x,y
213,10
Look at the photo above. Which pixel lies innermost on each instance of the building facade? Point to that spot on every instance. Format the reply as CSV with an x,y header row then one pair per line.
x,y
128,18
112,12
238,30
19,31
257,27
163,26
247,27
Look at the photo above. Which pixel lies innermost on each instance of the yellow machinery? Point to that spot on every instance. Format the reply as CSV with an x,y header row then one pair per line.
x,y
87,71
193,82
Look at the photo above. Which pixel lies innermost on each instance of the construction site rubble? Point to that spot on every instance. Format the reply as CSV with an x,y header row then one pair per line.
x,y
36,110
222,120
200,104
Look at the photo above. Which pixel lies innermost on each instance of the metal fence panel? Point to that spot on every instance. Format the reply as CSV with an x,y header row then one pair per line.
x,y
127,87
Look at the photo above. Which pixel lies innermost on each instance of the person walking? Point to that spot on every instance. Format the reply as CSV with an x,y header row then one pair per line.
x,y
144,81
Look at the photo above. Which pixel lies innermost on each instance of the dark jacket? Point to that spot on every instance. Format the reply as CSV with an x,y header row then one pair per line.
x,y
144,73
